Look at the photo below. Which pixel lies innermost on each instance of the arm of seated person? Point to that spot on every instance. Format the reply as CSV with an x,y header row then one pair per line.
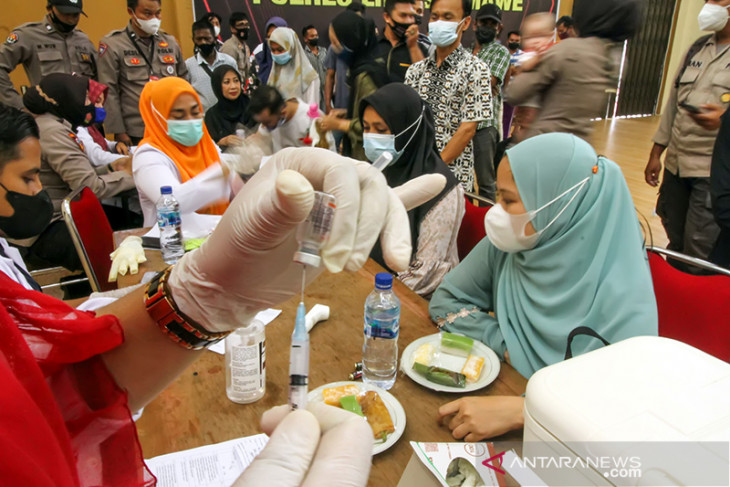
x,y
153,170
477,418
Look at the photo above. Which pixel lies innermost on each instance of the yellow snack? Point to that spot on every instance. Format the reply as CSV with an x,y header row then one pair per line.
x,y
473,368
332,395
423,354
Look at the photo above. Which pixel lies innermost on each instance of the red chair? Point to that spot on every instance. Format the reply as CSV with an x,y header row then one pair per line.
x,y
472,229
92,236
692,309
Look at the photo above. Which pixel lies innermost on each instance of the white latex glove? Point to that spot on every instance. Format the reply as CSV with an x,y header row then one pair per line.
x,y
246,264
323,445
127,257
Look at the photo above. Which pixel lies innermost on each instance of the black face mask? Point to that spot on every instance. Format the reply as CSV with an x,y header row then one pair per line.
x,y
486,35
242,34
32,214
62,26
399,29
206,49
513,46
313,42
419,19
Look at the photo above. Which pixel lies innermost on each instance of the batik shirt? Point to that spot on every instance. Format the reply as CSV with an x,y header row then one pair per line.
x,y
457,91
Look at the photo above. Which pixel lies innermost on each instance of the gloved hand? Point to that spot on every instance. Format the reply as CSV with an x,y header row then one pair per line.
x,y
127,257
246,264
297,454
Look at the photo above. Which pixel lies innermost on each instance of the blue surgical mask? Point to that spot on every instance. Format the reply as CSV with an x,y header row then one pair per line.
x,y
443,33
99,114
282,58
185,132
376,144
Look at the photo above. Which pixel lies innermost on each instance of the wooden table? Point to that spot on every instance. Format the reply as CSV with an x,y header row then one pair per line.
x,y
194,410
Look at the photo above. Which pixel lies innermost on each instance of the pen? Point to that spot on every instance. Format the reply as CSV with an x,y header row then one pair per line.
x,y
299,362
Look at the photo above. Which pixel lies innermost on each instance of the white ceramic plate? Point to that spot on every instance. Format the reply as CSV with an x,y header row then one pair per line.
x,y
490,370
397,414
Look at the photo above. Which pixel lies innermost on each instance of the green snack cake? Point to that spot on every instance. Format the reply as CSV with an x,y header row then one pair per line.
x,y
456,344
439,375
349,403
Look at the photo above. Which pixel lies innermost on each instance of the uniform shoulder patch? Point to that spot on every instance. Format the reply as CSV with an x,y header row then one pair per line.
x,y
168,59
12,39
76,139
163,44
102,49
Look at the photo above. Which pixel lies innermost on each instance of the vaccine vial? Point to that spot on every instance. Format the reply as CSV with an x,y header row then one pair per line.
x,y
315,230
246,363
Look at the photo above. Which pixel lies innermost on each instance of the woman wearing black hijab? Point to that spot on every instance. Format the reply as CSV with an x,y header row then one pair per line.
x,y
61,103
353,38
396,120
229,115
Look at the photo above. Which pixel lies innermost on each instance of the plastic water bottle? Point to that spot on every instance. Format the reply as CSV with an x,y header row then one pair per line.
x,y
168,219
246,363
382,323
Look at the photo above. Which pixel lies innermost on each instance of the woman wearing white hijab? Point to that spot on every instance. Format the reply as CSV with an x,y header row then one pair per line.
x,y
292,73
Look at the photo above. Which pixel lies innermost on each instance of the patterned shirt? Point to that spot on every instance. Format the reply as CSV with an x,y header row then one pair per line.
x,y
497,57
457,91
200,73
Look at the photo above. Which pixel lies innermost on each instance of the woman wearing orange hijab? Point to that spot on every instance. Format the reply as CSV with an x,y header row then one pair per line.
x,y
177,151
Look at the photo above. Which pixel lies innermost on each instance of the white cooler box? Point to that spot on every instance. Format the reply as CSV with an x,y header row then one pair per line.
x,y
591,413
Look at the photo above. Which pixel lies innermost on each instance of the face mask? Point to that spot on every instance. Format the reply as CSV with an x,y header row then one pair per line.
x,y
282,58
513,46
507,231
485,35
242,34
399,29
443,33
712,17
206,49
376,144
62,26
32,214
313,42
185,132
216,30
419,19
151,26
99,114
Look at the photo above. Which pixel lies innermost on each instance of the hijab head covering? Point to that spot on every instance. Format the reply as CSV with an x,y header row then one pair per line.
x,y
190,161
589,268
615,20
63,95
223,118
96,91
293,78
357,34
409,118
264,60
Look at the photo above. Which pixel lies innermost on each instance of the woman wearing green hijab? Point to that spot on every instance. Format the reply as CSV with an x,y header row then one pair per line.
x,y
564,250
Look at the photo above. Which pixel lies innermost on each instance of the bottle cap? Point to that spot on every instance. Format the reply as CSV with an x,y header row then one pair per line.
x,y
383,280
166,190
307,259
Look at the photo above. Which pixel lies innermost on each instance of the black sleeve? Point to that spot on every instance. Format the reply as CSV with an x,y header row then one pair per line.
x,y
720,174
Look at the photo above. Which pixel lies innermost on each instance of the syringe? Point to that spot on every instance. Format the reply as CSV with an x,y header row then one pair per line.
x,y
299,362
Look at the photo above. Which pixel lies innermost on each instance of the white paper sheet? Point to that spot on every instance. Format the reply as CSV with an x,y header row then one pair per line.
x,y
194,225
216,465
266,316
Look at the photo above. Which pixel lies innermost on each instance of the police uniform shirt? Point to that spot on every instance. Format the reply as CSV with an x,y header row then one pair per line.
x,y
42,50
126,63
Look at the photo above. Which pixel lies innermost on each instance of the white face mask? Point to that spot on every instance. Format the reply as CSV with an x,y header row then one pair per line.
x,y
713,17
151,26
217,30
507,231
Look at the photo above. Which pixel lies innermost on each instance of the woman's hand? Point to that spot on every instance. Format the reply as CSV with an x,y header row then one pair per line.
x,y
123,164
121,148
230,141
335,120
478,418
246,265
323,445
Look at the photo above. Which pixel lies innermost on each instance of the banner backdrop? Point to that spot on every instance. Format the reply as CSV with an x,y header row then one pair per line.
x,y
299,13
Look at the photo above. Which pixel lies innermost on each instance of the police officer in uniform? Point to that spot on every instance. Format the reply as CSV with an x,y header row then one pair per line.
x,y
128,59
53,45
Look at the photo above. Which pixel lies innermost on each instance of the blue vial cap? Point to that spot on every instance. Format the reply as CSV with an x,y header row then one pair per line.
x,y
166,190
383,280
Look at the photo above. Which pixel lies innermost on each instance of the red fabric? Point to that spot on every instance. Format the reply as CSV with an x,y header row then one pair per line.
x,y
96,91
96,235
98,137
692,309
63,419
472,229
